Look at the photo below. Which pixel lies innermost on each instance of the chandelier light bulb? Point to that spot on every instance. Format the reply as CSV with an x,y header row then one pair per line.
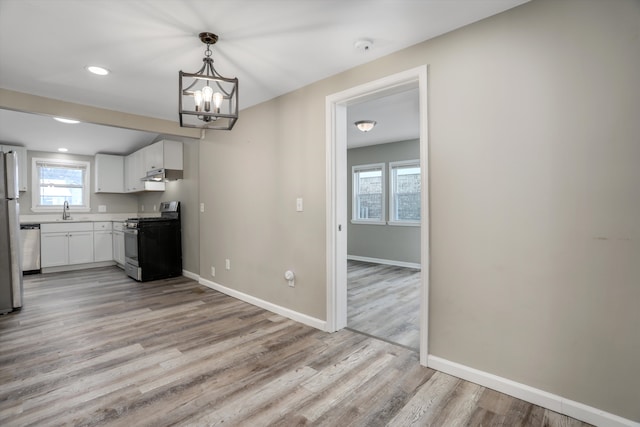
x,y
207,94
198,98
217,101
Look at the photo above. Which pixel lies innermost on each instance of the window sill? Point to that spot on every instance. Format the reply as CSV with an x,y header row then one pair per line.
x,y
404,223
361,221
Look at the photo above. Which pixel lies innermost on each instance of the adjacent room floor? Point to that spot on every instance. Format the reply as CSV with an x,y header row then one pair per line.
x,y
94,347
384,301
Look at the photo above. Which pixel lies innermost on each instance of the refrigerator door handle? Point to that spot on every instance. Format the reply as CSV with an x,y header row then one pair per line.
x,y
11,168
15,245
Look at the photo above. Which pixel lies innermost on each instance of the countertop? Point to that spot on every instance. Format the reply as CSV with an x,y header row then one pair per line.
x,y
57,218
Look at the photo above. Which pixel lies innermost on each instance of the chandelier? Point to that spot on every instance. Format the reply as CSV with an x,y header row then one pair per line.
x,y
207,100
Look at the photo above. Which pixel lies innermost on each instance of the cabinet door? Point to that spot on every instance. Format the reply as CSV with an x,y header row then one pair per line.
x,y
80,247
118,247
133,167
173,157
153,156
54,249
102,246
109,173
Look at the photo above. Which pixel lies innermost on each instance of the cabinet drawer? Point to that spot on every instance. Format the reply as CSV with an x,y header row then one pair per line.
x,y
118,225
102,225
65,227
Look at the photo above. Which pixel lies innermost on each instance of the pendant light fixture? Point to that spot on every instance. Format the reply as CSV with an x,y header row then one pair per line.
x,y
365,125
208,100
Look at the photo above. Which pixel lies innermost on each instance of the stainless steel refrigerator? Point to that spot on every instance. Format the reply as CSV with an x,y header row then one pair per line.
x,y
10,251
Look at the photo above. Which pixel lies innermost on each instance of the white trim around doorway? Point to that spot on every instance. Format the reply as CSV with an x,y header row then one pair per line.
x,y
336,194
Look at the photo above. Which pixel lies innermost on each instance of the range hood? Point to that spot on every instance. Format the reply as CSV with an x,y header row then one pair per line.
x,y
163,175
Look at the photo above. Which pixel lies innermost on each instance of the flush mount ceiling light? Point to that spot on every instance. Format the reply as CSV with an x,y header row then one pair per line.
x,y
67,121
63,150
97,70
208,100
365,125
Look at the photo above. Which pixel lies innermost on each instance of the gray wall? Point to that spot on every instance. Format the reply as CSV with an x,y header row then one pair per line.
x,y
388,242
116,203
534,196
186,191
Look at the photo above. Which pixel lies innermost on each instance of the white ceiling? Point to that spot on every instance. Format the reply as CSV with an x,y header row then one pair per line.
x,y
272,46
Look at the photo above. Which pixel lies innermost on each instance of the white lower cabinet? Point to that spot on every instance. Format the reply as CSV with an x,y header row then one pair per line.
x,y
66,244
102,246
80,247
102,241
54,248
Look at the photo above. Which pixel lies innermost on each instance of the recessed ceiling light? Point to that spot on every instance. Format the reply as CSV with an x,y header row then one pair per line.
x,y
68,121
63,150
97,70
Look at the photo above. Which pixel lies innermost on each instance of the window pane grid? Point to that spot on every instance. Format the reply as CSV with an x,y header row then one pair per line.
x,y
406,193
368,193
60,182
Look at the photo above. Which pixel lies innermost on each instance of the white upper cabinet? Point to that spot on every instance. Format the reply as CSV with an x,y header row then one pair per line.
x,y
153,156
109,170
133,168
163,154
21,153
132,172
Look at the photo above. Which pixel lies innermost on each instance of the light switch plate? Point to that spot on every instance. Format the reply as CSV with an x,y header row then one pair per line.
x,y
102,208
299,205
201,207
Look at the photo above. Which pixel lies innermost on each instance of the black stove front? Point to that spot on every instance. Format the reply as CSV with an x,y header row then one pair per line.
x,y
153,246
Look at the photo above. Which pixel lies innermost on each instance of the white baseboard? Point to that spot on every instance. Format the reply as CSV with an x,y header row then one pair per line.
x,y
190,275
529,394
288,313
384,261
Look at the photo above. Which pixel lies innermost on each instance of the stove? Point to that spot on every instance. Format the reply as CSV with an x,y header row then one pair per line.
x,y
153,245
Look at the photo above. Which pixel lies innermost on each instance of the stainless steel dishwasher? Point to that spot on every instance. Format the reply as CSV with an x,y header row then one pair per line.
x,y
30,237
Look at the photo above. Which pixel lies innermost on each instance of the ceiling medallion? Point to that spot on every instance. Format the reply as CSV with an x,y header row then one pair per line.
x,y
206,99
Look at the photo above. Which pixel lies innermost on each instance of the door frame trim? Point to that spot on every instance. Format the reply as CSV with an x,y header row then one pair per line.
x,y
336,194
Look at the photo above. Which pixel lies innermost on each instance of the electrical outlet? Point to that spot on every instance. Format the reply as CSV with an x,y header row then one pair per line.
x,y
227,264
213,271
155,208
102,208
142,208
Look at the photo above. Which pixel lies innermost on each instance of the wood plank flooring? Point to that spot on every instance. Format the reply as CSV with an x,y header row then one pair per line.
x,y
384,302
95,348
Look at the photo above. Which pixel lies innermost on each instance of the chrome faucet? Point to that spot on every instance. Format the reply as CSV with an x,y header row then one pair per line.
x,y
65,211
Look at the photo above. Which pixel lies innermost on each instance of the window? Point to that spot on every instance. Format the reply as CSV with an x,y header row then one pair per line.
x,y
55,181
368,194
404,203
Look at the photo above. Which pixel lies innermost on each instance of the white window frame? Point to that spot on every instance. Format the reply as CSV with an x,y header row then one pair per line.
x,y
355,191
35,185
392,193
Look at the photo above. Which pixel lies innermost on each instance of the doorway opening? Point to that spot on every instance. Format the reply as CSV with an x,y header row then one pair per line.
x,y
337,216
383,229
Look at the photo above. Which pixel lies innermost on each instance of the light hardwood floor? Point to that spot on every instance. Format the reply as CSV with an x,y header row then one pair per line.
x,y
384,302
96,348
